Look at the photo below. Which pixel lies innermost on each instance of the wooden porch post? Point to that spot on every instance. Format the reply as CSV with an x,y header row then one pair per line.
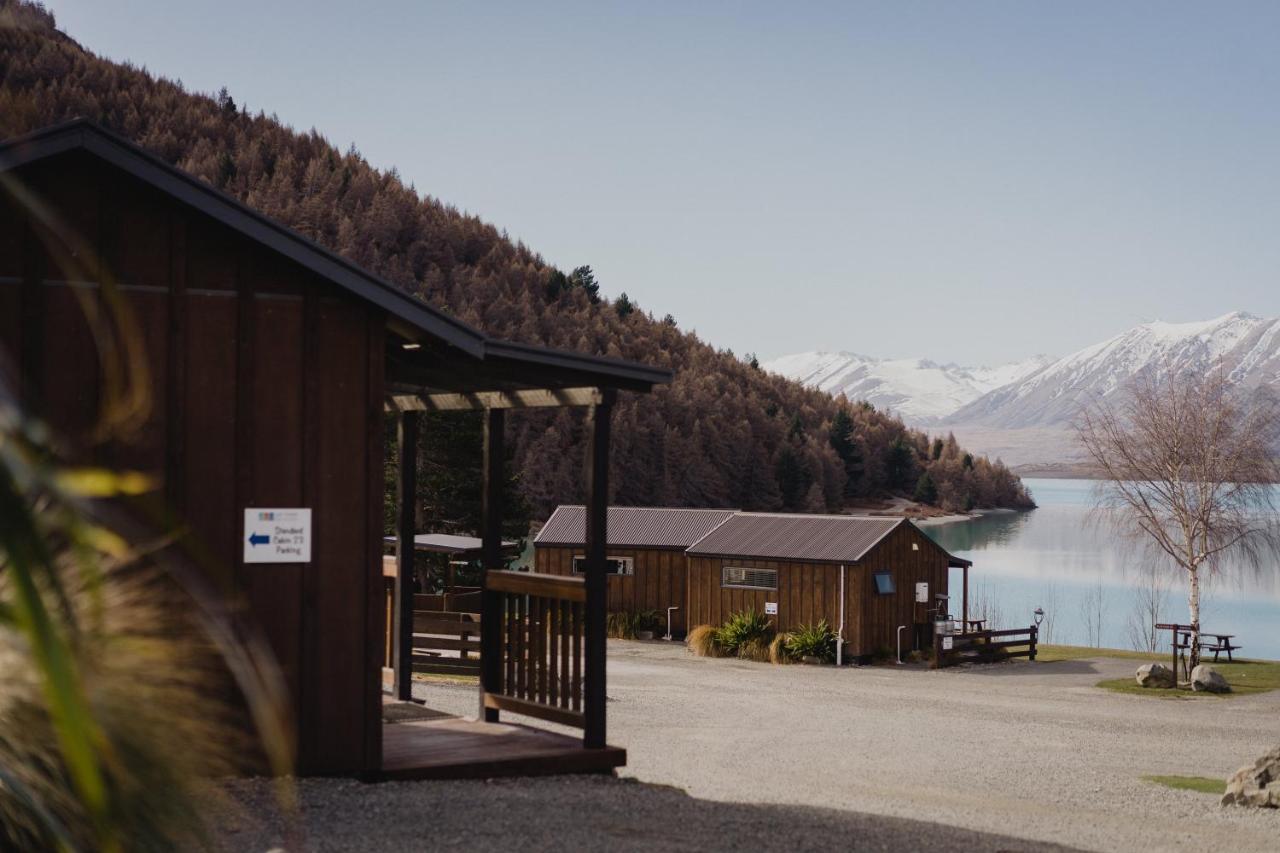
x,y
491,558
965,600
597,471
407,497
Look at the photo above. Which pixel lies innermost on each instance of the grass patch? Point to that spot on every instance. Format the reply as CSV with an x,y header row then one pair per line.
x,y
1246,677
1047,654
1202,784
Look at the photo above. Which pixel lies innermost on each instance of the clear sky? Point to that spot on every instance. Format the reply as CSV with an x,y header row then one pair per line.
x,y
973,181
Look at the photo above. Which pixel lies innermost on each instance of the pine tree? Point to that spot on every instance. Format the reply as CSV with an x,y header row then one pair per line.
x,y
846,447
623,306
582,277
926,492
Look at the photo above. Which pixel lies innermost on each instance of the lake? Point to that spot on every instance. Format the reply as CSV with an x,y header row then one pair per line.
x,y
1090,582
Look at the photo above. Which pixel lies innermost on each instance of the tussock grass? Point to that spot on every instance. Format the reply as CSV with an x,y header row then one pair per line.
x,y
702,642
778,650
756,649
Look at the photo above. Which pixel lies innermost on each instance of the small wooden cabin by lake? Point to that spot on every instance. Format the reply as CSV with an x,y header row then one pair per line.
x,y
799,564
713,563
646,561
258,373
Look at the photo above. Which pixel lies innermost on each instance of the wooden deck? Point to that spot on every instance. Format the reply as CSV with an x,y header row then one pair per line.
x,y
418,743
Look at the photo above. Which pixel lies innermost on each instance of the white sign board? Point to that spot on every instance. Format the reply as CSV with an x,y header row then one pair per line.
x,y
771,608
922,593
948,643
277,535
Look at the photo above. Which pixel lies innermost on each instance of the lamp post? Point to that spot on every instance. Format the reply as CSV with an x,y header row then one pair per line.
x,y
1038,613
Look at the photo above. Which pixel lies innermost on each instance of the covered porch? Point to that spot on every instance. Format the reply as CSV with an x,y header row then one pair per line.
x,y
541,637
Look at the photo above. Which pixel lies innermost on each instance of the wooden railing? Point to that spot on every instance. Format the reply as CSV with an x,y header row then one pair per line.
x,y
444,642
540,669
984,646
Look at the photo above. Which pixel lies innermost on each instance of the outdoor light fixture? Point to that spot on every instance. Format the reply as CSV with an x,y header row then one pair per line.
x,y
411,345
1039,614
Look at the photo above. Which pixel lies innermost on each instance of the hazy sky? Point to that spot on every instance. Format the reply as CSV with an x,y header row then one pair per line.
x,y
964,181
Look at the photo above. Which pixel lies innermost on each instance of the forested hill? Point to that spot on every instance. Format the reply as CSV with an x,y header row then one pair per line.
x,y
725,433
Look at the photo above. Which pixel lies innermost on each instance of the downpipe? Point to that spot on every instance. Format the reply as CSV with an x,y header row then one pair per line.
x,y
899,660
840,632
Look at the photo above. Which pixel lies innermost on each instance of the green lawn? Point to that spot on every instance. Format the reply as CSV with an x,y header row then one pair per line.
x,y
1203,784
1244,676
1045,653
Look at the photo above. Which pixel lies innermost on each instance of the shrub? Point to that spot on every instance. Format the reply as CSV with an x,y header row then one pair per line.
x,y
650,620
702,642
778,650
741,628
620,625
817,641
625,624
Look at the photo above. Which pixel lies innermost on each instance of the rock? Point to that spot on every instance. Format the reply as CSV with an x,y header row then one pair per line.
x,y
1257,785
1156,675
1206,679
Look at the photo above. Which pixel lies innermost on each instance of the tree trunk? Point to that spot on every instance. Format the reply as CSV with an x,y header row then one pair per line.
x,y
1193,605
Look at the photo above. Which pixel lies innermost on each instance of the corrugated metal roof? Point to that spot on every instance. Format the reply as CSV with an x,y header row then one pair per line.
x,y
776,536
636,527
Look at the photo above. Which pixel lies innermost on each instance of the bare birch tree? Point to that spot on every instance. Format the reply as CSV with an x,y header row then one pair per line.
x,y
1188,463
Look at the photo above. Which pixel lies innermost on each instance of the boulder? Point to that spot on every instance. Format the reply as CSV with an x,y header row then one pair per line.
x,y
1156,675
1256,785
1206,679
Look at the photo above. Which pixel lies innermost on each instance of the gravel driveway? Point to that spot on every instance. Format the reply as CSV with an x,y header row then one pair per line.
x,y
1033,751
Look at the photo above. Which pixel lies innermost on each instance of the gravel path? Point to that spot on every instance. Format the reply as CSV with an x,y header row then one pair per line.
x,y
583,813
1026,750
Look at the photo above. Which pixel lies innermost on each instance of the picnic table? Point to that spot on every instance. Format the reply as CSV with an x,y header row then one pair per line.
x,y
1181,640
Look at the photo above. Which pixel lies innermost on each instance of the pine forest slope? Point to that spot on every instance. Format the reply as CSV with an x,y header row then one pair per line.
x,y
725,433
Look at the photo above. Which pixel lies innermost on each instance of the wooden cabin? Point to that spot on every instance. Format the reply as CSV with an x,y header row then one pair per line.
x,y
792,567
798,565
646,562
256,372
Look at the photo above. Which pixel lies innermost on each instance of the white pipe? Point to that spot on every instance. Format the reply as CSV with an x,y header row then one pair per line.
x,y
840,632
669,637
900,627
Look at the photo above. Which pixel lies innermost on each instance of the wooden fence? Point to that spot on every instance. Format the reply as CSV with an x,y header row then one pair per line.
x,y
444,641
540,634
984,646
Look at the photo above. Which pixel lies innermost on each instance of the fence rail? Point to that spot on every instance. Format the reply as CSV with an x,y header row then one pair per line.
x,y
444,642
541,625
984,646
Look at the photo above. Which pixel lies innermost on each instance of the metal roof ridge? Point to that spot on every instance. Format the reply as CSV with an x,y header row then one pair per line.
x,y
824,515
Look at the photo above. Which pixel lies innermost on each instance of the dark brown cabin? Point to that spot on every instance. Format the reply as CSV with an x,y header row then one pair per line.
x,y
646,562
796,563
272,367
714,563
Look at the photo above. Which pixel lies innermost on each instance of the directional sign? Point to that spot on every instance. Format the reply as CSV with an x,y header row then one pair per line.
x,y
277,535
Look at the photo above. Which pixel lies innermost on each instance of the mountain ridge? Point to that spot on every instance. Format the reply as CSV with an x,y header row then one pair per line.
x,y
919,390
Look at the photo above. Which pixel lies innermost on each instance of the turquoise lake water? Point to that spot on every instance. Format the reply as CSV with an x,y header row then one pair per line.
x,y
1058,557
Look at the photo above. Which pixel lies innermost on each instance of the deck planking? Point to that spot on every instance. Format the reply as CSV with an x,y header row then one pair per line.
x,y
447,747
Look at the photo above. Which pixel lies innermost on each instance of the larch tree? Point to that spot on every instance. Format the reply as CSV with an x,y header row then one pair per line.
x,y
1188,464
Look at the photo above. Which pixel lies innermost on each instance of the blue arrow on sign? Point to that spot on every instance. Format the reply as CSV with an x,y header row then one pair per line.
x,y
256,539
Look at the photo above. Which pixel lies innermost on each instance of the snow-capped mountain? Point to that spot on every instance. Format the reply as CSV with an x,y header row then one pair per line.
x,y
1246,346
917,389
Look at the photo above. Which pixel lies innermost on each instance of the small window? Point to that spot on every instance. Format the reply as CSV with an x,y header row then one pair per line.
x,y
613,565
884,583
741,578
